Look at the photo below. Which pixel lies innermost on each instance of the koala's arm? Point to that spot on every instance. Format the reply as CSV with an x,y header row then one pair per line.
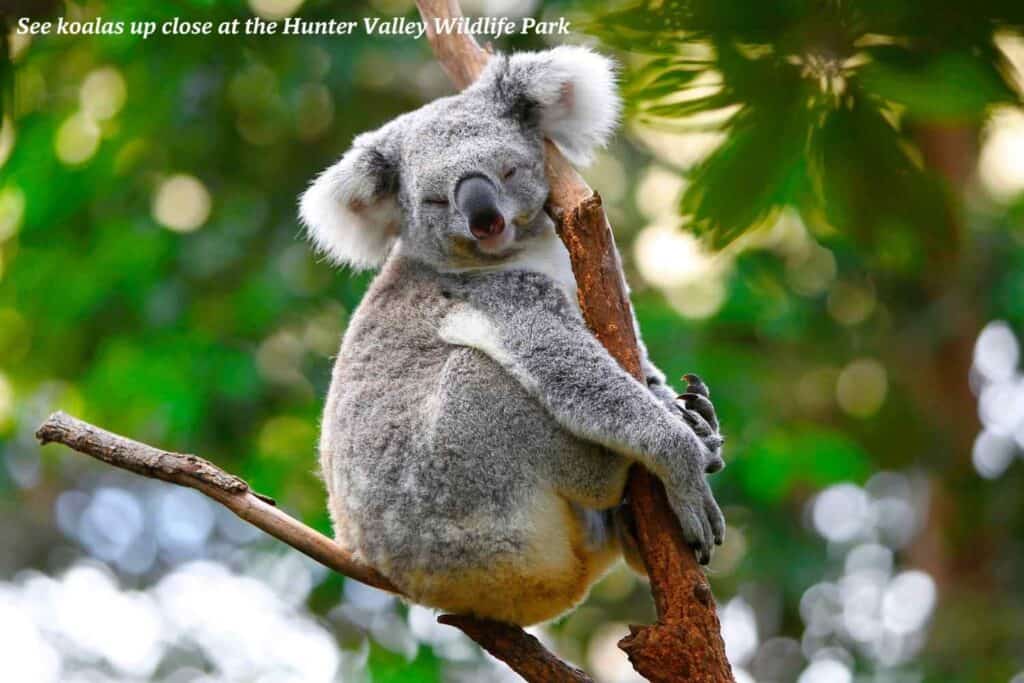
x,y
523,323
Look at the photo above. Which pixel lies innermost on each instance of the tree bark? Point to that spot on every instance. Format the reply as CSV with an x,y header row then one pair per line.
x,y
523,653
686,643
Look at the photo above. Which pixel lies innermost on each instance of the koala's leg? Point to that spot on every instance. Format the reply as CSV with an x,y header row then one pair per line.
x,y
613,531
624,527
527,326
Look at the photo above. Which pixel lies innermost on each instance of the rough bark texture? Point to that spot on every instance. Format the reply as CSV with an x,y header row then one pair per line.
x,y
522,652
686,643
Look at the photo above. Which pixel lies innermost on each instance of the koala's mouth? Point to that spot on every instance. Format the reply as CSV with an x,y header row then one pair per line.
x,y
498,245
468,251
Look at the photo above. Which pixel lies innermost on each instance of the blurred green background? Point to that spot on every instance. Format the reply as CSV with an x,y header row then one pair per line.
x,y
820,210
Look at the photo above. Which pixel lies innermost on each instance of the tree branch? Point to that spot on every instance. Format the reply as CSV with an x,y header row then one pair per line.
x,y
686,643
203,476
522,652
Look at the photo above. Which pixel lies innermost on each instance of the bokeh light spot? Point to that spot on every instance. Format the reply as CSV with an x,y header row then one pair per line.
x,y
6,400
12,211
102,93
181,203
6,139
840,512
908,602
826,671
997,352
657,193
850,304
1001,164
314,111
699,299
739,631
861,387
604,654
1001,406
275,9
992,454
77,140
27,655
668,257
811,270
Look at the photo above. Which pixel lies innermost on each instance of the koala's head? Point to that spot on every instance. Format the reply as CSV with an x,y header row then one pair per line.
x,y
461,180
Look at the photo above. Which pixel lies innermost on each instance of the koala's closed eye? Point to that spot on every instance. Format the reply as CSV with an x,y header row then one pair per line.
x,y
436,201
509,173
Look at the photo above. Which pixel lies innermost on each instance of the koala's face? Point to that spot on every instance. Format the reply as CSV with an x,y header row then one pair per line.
x,y
461,180
471,186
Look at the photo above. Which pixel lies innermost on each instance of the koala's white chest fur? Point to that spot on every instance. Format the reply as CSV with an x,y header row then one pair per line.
x,y
549,256
546,255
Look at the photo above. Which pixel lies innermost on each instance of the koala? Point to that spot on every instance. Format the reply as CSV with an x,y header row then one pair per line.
x,y
476,437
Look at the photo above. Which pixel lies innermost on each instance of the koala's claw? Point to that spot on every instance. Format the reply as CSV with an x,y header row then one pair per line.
x,y
702,522
716,519
699,413
696,533
703,407
696,385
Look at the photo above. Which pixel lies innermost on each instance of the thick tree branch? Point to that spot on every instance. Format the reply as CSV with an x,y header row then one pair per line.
x,y
686,643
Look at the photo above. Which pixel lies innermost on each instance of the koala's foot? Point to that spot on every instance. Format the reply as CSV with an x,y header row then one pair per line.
x,y
698,411
698,513
625,531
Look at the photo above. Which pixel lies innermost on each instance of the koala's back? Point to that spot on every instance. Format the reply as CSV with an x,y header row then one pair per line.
x,y
433,457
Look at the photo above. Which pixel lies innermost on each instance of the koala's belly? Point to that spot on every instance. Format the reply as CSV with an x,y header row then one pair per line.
x,y
549,575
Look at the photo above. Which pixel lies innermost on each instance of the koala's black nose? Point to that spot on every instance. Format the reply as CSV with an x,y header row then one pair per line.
x,y
477,200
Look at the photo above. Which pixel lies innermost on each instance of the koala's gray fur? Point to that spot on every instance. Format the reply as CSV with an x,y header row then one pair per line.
x,y
476,436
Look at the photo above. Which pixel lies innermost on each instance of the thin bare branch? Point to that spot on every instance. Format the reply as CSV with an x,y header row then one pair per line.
x,y
203,476
458,53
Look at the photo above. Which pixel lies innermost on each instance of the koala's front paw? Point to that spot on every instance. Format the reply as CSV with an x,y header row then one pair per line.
x,y
698,411
698,513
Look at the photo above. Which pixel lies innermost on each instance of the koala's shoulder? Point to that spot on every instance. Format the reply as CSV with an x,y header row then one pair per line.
x,y
405,294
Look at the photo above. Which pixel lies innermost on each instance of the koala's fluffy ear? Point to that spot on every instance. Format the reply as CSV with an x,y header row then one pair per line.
x,y
351,210
573,89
